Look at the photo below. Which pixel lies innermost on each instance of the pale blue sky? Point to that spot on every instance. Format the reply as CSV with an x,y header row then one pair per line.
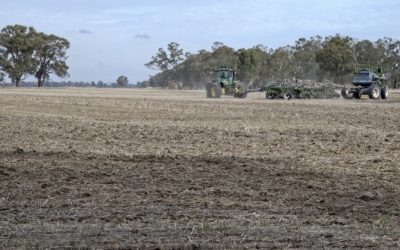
x,y
110,38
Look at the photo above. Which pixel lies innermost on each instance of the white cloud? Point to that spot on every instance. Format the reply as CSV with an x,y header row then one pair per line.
x,y
142,36
85,32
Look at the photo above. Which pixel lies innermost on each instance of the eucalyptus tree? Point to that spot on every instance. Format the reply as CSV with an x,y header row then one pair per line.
x,y
122,81
166,59
250,64
17,45
336,57
304,56
50,57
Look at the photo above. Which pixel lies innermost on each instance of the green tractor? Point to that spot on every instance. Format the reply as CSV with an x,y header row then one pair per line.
x,y
226,84
367,82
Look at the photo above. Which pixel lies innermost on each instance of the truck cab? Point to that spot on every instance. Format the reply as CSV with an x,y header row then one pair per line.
x,y
366,78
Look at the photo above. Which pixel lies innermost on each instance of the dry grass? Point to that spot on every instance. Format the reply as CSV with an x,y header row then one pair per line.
x,y
152,168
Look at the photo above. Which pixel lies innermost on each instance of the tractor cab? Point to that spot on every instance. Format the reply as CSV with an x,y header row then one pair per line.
x,y
225,76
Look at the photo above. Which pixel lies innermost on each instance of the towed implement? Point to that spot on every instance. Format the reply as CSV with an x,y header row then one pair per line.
x,y
300,90
367,82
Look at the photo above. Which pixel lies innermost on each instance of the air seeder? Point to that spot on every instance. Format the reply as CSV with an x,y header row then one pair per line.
x,y
367,81
225,84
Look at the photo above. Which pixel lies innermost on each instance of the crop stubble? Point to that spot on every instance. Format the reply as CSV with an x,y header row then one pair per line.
x,y
153,168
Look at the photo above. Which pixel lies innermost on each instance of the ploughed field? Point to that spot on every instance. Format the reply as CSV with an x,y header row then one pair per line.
x,y
164,169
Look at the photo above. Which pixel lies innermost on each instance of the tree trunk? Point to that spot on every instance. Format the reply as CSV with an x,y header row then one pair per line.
x,y
17,81
40,77
40,82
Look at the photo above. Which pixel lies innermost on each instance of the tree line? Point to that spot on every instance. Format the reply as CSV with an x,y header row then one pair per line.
x,y
77,84
331,58
25,52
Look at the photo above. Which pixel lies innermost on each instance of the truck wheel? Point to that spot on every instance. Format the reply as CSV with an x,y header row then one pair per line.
x,y
346,94
374,93
385,92
357,94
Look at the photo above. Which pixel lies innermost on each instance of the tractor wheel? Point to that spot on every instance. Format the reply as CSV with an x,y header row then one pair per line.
x,y
287,96
215,90
374,93
241,91
346,94
270,96
385,92
208,89
357,94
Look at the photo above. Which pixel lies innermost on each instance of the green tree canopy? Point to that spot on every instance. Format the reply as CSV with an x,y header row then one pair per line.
x,y
336,57
122,81
24,52
250,62
50,57
304,56
316,58
166,59
281,64
17,44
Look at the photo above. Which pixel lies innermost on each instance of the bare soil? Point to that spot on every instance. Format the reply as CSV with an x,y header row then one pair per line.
x,y
147,169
